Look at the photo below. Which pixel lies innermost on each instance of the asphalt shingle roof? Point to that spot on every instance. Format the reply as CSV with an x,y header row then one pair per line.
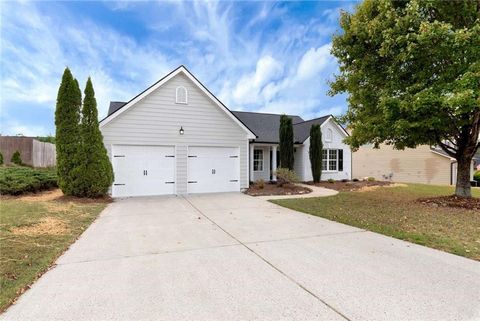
x,y
114,106
301,131
265,126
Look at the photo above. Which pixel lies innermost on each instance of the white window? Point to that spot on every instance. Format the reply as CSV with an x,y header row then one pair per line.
x,y
331,160
181,95
258,160
324,159
329,135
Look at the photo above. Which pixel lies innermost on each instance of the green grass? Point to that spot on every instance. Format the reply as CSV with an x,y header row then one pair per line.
x,y
393,211
33,233
15,180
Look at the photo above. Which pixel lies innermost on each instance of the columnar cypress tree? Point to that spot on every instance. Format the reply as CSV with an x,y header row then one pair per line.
x,y
94,171
286,142
67,118
315,152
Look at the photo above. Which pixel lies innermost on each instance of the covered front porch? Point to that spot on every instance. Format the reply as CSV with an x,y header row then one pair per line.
x,y
264,159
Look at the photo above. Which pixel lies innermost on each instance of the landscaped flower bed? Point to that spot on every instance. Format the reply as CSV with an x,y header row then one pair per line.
x,y
349,186
268,189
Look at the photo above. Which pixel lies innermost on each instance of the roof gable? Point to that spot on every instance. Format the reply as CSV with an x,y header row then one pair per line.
x,y
117,108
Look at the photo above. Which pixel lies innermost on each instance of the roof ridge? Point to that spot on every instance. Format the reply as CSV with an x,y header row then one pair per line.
x,y
254,112
306,121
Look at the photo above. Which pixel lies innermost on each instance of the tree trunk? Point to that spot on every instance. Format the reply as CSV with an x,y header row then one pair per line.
x,y
463,187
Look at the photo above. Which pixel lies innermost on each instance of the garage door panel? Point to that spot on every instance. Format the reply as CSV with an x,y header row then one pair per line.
x,y
143,170
213,169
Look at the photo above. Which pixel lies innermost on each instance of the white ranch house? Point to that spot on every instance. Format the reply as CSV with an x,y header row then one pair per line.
x,y
176,137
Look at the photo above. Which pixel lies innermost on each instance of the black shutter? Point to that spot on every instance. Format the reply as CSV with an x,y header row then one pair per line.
x,y
340,160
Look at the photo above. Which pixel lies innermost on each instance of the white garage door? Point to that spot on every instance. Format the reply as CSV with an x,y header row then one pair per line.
x,y
213,169
143,170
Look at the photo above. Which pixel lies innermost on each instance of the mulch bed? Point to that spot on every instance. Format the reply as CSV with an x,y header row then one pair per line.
x,y
273,189
471,203
349,186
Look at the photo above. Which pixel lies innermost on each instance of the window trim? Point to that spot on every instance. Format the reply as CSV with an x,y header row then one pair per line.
x,y
328,161
258,160
186,95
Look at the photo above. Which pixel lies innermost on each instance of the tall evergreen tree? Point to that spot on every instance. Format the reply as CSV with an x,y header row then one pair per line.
x,y
67,118
315,152
286,142
94,173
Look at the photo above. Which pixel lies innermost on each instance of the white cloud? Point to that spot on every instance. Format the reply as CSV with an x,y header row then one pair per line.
x,y
249,86
314,61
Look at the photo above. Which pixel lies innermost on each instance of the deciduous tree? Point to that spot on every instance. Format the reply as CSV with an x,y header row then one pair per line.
x,y
412,72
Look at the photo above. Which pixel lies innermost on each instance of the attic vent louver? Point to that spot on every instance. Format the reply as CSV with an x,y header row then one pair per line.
x,y
181,95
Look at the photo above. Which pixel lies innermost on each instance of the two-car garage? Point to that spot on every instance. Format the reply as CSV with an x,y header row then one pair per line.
x,y
176,138
152,170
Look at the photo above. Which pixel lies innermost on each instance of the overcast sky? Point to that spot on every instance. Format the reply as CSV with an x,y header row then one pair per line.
x,y
256,56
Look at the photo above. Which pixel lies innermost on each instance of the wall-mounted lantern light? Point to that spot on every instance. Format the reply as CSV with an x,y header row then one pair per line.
x,y
181,131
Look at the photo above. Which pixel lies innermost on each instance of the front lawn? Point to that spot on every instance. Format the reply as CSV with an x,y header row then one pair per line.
x,y
34,231
395,211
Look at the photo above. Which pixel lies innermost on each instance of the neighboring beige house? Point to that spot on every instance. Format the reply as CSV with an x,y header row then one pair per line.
x,y
423,164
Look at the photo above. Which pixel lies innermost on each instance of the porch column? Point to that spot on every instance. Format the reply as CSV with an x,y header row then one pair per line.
x,y
250,156
274,162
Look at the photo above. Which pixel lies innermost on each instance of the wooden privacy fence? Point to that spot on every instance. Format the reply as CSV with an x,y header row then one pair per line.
x,y
32,151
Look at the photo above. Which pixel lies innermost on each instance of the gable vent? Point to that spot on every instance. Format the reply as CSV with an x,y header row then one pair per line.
x,y
181,95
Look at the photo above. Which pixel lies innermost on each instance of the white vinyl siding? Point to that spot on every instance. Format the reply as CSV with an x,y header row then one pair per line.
x,y
336,143
156,120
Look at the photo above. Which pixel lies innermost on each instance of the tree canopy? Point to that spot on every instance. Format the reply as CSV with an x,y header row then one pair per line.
x,y
412,72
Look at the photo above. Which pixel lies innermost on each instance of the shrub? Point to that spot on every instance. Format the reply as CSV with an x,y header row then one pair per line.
x,y
286,176
1,159
331,180
260,183
476,176
19,180
286,142
315,152
371,179
16,158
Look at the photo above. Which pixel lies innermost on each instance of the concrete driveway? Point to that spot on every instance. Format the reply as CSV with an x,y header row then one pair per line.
x,y
234,257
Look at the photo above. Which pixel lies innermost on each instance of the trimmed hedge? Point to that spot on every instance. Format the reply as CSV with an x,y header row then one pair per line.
x,y
18,180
